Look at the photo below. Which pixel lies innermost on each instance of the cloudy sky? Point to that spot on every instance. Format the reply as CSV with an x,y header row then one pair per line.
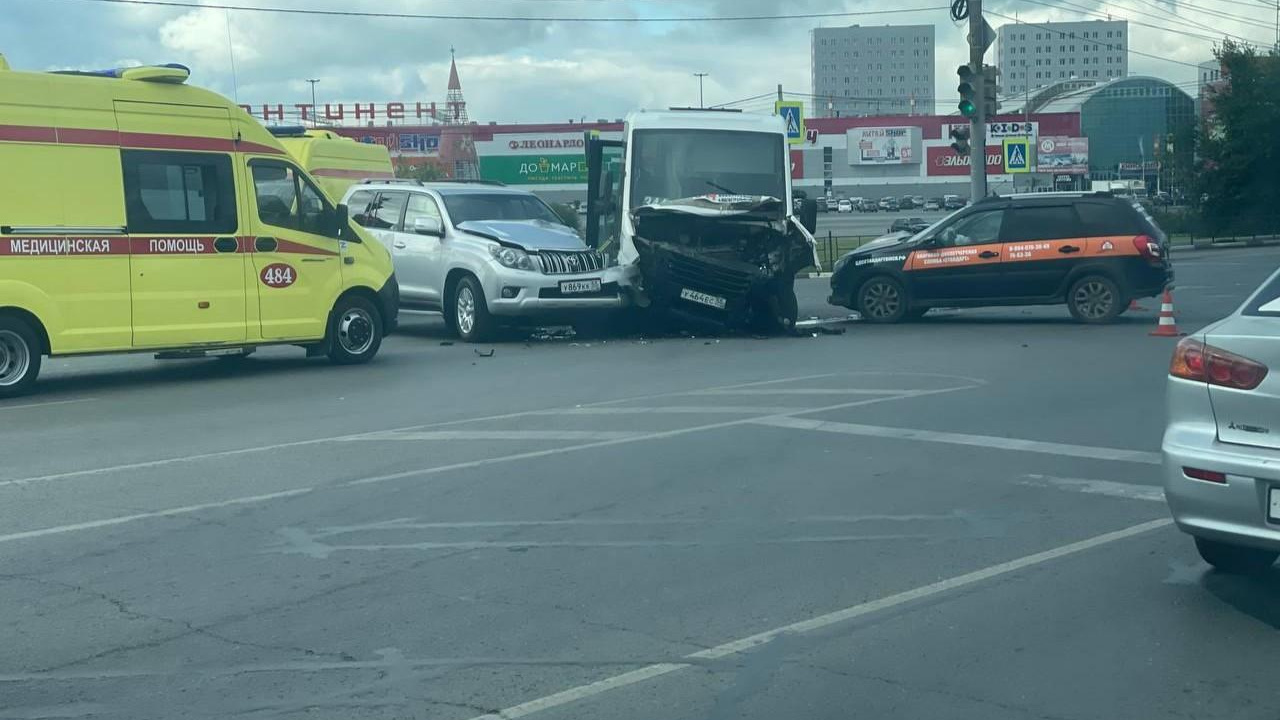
x,y
541,70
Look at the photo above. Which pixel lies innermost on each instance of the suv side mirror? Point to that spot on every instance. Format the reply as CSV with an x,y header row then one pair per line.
x,y
425,225
809,215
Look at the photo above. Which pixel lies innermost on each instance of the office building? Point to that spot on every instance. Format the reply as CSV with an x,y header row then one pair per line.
x,y
1032,56
884,70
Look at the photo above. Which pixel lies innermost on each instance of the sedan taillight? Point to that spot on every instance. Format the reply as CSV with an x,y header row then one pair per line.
x,y
1194,360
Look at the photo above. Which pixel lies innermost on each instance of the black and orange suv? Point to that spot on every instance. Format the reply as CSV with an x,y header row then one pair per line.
x,y
1092,251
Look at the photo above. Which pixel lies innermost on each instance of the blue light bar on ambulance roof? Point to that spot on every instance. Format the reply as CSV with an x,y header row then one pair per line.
x,y
168,73
287,130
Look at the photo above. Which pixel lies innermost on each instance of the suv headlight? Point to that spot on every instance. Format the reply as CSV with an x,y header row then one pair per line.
x,y
514,258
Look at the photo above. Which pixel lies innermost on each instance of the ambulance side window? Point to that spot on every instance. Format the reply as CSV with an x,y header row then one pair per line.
x,y
286,199
177,192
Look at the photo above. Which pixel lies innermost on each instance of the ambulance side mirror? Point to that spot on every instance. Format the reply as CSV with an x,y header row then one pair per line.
x,y
340,219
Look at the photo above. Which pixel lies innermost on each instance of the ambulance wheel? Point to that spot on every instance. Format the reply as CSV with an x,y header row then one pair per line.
x,y
882,300
355,333
471,317
19,357
1095,299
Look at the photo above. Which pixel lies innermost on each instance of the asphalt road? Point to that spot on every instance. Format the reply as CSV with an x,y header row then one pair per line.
x,y
956,518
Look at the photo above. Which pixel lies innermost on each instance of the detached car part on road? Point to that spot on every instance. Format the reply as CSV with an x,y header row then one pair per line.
x,y
159,217
1091,251
1221,442
696,207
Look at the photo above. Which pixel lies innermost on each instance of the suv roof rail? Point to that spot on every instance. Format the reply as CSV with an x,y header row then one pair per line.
x,y
391,181
477,181
1050,195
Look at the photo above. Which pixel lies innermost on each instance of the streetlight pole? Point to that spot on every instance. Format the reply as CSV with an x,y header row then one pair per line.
x,y
313,82
700,75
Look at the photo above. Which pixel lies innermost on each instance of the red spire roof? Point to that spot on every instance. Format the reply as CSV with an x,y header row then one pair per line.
x,y
454,83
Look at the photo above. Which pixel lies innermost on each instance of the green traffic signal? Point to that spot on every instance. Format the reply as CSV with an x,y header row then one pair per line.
x,y
968,95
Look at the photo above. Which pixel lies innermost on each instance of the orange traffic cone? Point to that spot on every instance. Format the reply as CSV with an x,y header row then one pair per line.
x,y
1166,326
1133,305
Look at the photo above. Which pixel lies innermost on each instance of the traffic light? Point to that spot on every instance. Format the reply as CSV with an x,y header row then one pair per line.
x,y
990,89
960,139
968,96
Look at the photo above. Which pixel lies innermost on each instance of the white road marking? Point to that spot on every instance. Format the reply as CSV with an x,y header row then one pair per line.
x,y
427,471
984,441
495,435
469,464
803,391
736,647
169,512
142,465
1131,491
414,524
28,406
322,550
672,409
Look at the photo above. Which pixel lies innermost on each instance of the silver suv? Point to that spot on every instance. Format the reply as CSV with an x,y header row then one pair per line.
x,y
481,253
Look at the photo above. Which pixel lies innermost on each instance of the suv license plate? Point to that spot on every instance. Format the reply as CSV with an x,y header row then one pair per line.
x,y
575,287
1273,504
702,298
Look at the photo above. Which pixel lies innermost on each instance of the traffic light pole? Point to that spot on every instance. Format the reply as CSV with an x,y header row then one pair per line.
x,y
978,123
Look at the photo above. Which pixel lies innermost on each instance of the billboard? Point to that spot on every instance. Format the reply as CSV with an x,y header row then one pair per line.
x,y
534,169
883,145
1001,129
797,165
555,158
1063,155
942,161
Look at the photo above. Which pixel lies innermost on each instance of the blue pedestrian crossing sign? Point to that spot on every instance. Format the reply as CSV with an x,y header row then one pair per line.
x,y
792,113
1017,155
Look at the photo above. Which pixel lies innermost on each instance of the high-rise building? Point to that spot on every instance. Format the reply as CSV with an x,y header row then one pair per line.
x,y
885,70
1037,55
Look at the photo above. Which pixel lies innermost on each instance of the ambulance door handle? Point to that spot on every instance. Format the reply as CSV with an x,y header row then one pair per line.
x,y
265,244
348,260
988,254
1068,249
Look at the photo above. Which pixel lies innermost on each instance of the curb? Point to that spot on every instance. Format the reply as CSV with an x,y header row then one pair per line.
x,y
1229,245
814,275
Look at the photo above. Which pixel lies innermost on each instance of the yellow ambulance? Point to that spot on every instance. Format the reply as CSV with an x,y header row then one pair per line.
x,y
140,214
336,161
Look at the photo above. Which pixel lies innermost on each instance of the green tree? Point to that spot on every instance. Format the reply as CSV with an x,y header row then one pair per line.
x,y
1240,142
425,171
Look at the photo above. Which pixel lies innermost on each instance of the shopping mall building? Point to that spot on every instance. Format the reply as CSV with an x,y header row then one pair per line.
x,y
1080,131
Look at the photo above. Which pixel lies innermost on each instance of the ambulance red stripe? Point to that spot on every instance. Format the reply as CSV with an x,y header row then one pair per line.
x,y
55,245
142,141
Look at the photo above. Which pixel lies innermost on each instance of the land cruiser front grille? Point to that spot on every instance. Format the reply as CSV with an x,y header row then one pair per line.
x,y
562,262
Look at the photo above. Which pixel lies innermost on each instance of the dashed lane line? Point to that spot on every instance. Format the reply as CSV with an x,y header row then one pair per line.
x,y
161,462
820,622
983,441
435,470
